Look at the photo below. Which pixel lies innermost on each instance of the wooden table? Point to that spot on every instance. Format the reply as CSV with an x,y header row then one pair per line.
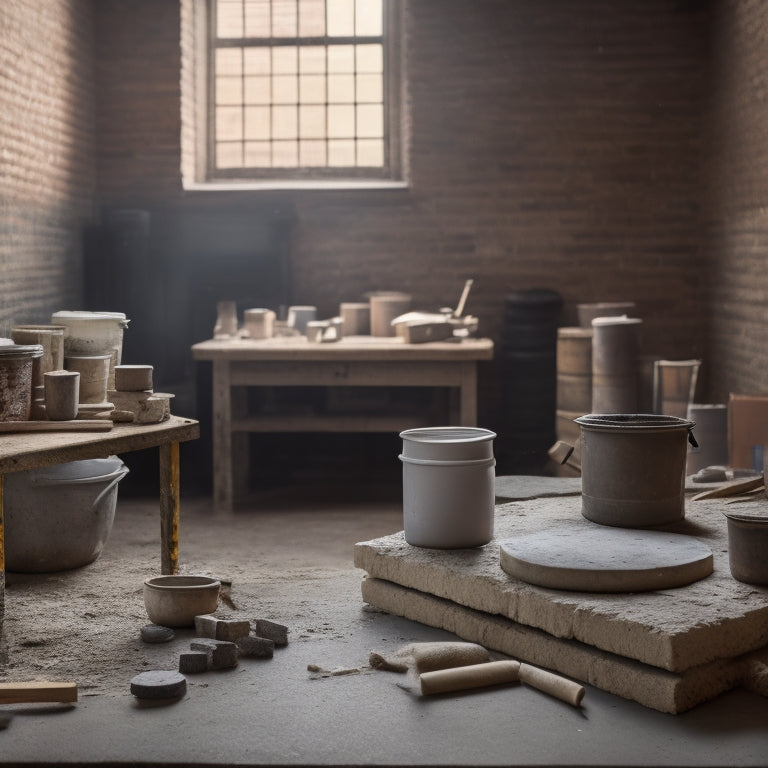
x,y
21,451
355,361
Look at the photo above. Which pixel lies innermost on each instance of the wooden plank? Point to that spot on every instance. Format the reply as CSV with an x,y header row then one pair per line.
x,y
336,423
79,425
35,692
41,449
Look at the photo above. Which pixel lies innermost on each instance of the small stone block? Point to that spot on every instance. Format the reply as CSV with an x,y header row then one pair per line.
x,y
223,653
154,633
159,684
205,626
255,647
133,378
232,629
191,662
277,633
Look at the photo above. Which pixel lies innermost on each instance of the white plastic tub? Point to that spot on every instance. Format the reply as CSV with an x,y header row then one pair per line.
x,y
59,517
448,486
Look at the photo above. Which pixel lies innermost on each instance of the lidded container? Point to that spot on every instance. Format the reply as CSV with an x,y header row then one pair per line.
x,y
448,486
633,468
93,333
16,362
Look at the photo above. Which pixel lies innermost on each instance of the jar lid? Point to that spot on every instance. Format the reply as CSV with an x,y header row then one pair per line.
x,y
20,352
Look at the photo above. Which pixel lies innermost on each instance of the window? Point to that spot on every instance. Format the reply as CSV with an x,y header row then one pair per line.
x,y
301,89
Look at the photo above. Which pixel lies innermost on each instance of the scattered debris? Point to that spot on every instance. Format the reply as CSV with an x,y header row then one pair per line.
x,y
154,633
277,633
255,647
159,684
223,652
426,657
316,672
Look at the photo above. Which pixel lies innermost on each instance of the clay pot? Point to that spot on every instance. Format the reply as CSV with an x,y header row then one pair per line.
x,y
748,546
94,376
62,394
174,601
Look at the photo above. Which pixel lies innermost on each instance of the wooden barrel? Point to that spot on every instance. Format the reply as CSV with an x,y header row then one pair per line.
x,y
574,369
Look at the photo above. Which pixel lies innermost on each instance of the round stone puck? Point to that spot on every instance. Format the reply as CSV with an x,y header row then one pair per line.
x,y
154,633
159,684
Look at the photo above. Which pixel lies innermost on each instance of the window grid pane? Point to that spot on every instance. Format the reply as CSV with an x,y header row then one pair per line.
x,y
289,94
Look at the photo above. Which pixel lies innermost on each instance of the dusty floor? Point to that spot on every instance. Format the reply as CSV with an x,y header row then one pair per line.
x,y
280,556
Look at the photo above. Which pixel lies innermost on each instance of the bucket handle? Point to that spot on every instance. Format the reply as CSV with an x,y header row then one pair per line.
x,y
691,438
117,477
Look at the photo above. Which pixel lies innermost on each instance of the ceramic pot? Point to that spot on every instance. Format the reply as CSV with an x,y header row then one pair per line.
x,y
748,546
62,394
299,316
615,372
633,468
259,323
16,367
448,486
174,601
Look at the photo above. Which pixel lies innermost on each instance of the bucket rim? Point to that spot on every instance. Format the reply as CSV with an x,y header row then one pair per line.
x,y
183,582
634,422
450,435
21,351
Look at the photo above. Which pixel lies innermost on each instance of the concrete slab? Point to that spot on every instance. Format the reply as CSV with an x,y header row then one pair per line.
x,y
674,629
518,487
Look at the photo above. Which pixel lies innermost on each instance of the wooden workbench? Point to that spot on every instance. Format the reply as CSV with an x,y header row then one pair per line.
x,y
22,451
355,361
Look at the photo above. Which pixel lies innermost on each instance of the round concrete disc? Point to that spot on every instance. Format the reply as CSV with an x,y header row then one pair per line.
x,y
603,559
159,684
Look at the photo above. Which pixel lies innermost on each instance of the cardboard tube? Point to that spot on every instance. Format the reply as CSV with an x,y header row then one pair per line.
x,y
472,676
548,682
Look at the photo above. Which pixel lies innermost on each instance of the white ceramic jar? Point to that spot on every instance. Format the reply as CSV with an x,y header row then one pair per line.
x,y
448,486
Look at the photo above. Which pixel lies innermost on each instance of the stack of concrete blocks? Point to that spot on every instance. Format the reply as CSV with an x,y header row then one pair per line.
x,y
134,399
221,641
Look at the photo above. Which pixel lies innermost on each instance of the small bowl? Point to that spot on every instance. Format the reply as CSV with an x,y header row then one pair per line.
x,y
174,601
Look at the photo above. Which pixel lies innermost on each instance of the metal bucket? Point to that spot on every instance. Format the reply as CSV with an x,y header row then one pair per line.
x,y
633,468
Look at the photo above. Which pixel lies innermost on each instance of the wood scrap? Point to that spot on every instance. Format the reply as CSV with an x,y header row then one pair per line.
x,y
730,489
33,692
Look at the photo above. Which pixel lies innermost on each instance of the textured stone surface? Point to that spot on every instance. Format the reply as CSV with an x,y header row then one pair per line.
x,y
518,487
232,629
223,653
277,633
255,647
674,629
191,662
650,686
205,626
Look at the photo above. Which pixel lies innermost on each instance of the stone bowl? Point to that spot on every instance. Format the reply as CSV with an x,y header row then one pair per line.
x,y
174,601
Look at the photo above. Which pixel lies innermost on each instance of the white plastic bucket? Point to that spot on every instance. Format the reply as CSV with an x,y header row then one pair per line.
x,y
93,333
448,486
59,517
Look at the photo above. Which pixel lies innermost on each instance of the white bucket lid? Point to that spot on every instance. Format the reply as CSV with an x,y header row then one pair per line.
x,y
65,315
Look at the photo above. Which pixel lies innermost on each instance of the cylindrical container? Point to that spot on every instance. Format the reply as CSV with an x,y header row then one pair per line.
x,y
748,546
615,348
674,386
355,318
226,320
574,369
299,316
51,339
711,435
633,468
529,378
16,380
588,312
59,517
259,323
62,394
133,378
93,333
385,307
448,486
94,373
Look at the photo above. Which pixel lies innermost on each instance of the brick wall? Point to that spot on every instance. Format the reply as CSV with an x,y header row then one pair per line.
x,y
46,158
738,307
554,144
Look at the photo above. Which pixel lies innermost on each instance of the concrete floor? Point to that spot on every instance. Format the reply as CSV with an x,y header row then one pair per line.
x,y
290,557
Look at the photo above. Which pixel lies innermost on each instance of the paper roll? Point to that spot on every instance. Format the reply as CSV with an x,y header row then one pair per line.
x,y
473,676
555,685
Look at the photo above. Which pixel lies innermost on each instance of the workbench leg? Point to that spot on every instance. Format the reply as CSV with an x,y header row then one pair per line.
x,y
468,395
239,441
222,437
2,551
170,508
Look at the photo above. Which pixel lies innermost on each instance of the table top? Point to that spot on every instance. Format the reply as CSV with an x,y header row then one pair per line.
x,y
21,451
348,349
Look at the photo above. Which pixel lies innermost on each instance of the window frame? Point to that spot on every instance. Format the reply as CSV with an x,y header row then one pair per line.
x,y
391,171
